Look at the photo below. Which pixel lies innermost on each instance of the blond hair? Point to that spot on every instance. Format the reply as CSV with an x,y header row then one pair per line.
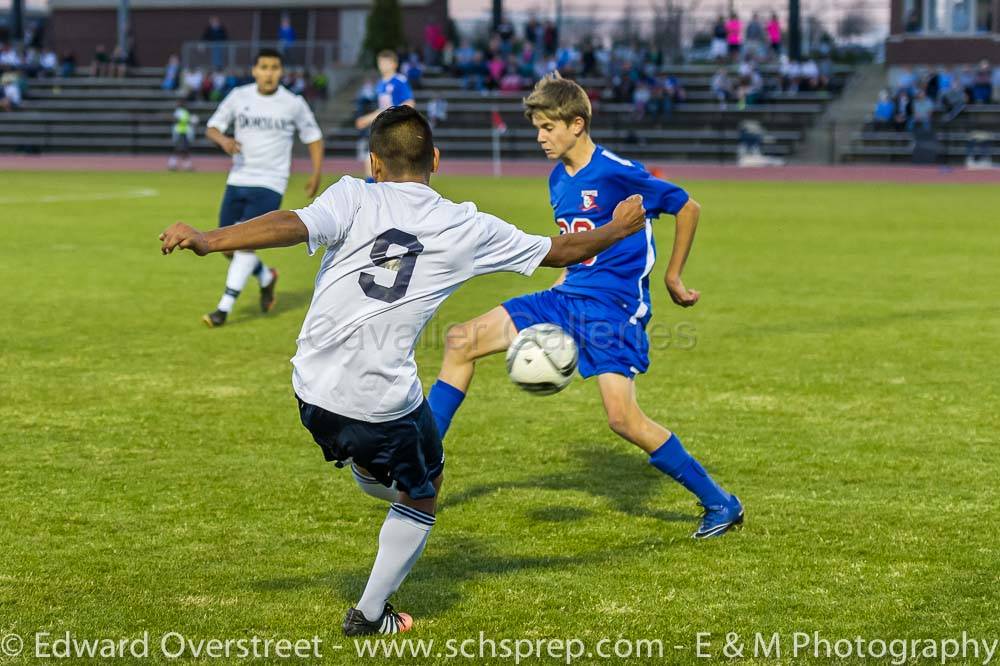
x,y
559,99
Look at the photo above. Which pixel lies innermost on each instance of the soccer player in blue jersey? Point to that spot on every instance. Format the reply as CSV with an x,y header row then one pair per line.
x,y
603,303
393,89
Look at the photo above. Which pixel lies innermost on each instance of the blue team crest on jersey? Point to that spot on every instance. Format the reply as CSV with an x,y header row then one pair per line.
x,y
589,200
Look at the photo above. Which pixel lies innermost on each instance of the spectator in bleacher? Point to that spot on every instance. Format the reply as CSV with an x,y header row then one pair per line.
x,y
953,101
10,59
967,78
505,31
476,73
568,60
722,87
982,84
286,34
511,80
119,63
719,48
903,112
790,72
434,43
413,69
67,64
907,81
774,34
811,79
532,31
923,113
12,93
191,83
750,88
641,96
526,61
171,74
550,38
588,59
437,111
216,32
464,56
218,90
755,37
496,67
102,63
734,36
885,109
49,62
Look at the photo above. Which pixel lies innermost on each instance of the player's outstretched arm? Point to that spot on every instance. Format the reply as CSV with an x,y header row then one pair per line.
x,y
568,249
279,228
687,223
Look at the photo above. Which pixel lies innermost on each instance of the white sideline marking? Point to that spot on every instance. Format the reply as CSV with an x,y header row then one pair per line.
x,y
139,193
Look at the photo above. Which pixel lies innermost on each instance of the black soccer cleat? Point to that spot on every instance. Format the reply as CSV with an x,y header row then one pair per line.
x,y
267,298
214,319
391,622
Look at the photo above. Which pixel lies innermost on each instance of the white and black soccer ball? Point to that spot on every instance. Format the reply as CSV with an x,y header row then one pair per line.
x,y
542,359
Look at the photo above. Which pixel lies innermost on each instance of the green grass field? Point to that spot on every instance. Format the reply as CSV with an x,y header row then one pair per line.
x,y
843,380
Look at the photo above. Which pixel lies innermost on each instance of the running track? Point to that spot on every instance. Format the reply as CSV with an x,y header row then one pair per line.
x,y
673,170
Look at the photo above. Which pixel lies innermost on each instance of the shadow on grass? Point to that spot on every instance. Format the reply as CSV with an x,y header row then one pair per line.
x,y
287,301
436,583
613,475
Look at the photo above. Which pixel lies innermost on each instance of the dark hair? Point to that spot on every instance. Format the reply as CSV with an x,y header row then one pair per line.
x,y
268,53
401,137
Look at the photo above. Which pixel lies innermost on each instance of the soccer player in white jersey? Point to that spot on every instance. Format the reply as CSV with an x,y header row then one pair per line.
x,y
395,250
264,117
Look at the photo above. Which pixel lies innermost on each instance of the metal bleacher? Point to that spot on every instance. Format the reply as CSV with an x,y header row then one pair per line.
x,y
88,114
951,137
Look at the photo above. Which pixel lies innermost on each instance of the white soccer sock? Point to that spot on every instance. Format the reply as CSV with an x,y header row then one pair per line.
x,y
240,268
402,539
371,486
264,276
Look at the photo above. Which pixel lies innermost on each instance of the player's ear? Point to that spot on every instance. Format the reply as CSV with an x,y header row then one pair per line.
x,y
376,166
437,160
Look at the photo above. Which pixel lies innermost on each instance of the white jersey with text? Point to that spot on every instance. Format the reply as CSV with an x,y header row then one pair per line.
x,y
265,126
395,252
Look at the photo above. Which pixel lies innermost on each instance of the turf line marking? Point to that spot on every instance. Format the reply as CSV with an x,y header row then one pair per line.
x,y
139,193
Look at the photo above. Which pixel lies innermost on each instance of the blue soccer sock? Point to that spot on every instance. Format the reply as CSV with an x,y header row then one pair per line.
x,y
673,460
444,400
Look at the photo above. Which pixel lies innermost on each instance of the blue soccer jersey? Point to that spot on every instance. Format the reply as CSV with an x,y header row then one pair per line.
x,y
587,200
393,92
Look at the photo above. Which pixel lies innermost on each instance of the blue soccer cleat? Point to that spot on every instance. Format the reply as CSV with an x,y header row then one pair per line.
x,y
719,519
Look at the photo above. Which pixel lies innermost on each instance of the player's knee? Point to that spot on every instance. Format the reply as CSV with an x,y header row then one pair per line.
x,y
620,421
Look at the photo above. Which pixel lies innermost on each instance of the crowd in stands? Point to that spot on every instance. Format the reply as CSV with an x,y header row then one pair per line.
x,y
195,83
910,102
20,63
634,73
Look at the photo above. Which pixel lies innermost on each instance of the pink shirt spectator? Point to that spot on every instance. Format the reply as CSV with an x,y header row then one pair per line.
x,y
496,67
774,32
734,32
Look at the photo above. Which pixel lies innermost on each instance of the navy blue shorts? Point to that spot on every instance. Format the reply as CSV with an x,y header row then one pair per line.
x,y
406,450
609,340
243,203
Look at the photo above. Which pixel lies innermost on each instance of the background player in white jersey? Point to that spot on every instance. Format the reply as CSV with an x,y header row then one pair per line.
x,y
393,89
395,251
264,117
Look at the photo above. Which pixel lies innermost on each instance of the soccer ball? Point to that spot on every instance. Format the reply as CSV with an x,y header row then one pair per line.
x,y
542,359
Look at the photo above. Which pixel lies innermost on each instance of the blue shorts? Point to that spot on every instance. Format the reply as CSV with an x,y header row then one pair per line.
x,y
608,339
243,203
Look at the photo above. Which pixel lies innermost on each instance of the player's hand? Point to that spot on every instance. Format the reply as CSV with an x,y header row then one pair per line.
x,y
680,294
312,187
231,146
630,215
185,237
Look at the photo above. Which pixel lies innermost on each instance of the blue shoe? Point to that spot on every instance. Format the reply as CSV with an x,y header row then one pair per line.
x,y
719,519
